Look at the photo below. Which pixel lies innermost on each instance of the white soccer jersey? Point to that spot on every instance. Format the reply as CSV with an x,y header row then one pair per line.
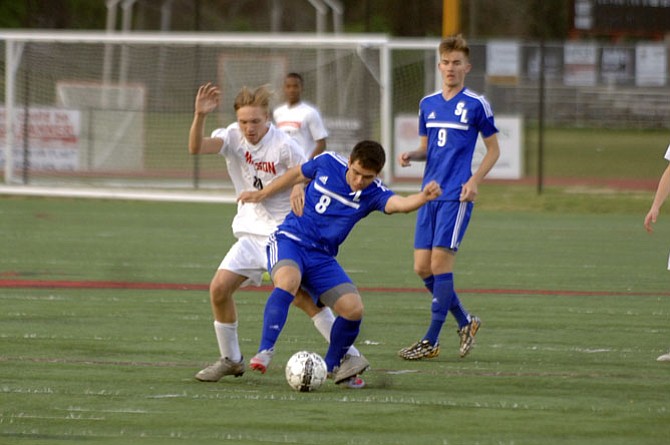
x,y
303,123
251,166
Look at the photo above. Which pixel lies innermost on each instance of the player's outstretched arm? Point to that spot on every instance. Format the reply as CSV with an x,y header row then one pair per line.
x,y
292,177
405,204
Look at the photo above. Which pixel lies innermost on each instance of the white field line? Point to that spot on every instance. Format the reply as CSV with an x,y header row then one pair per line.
x,y
206,196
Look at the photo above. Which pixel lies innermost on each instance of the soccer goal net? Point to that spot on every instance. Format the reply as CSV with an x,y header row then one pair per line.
x,y
115,109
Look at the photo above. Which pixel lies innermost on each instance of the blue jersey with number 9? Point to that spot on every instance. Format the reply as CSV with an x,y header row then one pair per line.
x,y
452,127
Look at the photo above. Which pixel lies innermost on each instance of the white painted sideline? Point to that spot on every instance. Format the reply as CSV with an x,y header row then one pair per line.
x,y
203,195
225,196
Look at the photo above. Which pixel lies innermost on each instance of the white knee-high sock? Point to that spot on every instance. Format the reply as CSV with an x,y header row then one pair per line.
x,y
324,322
226,335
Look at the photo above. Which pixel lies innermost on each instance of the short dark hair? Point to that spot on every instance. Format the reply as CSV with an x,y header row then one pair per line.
x,y
295,76
370,154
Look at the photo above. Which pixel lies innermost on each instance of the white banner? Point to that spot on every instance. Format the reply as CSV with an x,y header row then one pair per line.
x,y
651,65
580,64
53,139
503,58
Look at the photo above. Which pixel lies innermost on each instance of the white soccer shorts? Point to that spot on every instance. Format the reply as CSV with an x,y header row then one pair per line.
x,y
247,257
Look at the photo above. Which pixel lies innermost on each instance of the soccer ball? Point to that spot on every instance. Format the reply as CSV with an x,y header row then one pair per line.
x,y
306,371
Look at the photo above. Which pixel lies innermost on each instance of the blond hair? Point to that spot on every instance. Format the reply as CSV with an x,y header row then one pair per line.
x,y
260,97
454,43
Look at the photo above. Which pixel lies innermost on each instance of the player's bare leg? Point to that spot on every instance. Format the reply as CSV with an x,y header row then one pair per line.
x,y
221,290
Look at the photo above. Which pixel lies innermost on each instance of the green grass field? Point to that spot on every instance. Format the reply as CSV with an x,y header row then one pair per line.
x,y
573,294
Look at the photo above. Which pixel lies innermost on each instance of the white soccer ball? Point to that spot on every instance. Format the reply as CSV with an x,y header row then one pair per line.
x,y
306,371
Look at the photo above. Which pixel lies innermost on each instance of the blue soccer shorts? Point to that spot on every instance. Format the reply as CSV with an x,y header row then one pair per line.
x,y
442,224
322,276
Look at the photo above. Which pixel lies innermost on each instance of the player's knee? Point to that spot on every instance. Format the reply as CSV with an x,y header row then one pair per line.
x,y
422,270
218,295
290,286
219,292
356,313
350,308
289,281
302,301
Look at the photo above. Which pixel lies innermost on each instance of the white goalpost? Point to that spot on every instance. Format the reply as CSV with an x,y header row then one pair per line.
x,y
113,109
125,100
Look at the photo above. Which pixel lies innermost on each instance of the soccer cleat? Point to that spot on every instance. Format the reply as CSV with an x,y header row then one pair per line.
x,y
467,334
350,366
664,358
224,366
261,361
419,350
354,382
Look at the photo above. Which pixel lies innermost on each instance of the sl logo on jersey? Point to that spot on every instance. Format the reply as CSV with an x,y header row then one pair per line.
x,y
462,112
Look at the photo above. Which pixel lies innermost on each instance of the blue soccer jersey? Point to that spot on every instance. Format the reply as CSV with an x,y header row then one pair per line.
x,y
452,127
331,207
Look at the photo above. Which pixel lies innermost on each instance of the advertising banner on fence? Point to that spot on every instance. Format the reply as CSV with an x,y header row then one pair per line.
x,y
651,65
580,64
53,139
503,61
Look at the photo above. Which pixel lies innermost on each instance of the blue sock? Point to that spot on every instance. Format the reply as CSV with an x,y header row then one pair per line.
x,y
443,293
342,336
274,317
459,312
429,282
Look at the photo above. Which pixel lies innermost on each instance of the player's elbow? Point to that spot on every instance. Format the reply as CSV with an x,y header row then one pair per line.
x,y
496,153
194,147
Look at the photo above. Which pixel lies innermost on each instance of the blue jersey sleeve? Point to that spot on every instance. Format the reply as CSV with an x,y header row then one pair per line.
x,y
423,131
380,196
309,168
486,123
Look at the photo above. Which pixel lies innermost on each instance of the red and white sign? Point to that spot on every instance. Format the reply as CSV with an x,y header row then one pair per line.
x,y
53,138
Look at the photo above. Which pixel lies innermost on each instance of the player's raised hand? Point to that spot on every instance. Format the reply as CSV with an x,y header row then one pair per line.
x,y
432,190
207,98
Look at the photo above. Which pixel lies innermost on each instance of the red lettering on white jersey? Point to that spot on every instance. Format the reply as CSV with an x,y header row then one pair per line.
x,y
264,166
